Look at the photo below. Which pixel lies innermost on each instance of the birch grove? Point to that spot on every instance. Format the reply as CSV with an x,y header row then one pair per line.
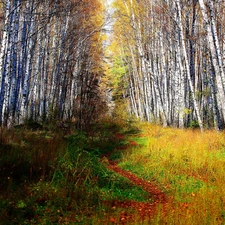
x,y
165,61
50,55
175,54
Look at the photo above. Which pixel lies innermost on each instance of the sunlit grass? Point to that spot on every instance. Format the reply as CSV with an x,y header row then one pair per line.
x,y
189,166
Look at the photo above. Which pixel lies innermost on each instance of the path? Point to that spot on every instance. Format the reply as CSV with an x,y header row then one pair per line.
x,y
145,210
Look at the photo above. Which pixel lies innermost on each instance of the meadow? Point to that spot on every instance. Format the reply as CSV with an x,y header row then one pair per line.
x,y
55,175
189,166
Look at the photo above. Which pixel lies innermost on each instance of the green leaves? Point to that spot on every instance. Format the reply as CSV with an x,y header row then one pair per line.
x,y
21,204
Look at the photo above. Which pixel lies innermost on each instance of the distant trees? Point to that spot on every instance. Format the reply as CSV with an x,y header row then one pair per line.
x,y
174,51
50,56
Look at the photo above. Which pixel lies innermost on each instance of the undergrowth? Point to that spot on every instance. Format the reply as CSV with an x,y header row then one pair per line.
x,y
58,176
189,166
52,177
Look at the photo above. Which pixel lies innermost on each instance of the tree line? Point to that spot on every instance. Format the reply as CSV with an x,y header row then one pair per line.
x,y
169,59
166,61
50,60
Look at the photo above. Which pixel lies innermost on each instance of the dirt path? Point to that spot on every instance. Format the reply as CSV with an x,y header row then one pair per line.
x,y
145,211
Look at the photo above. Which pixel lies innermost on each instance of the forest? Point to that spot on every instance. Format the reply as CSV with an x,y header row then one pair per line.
x,y
51,55
171,60
164,61
112,112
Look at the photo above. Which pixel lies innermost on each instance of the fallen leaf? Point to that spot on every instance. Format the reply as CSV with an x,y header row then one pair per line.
x,y
112,220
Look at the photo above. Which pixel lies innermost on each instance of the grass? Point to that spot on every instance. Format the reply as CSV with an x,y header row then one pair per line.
x,y
189,166
52,177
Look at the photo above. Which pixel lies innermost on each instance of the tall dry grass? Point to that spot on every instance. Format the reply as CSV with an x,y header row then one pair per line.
x,y
189,166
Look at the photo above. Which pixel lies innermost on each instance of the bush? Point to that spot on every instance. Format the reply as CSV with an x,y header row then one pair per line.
x,y
193,124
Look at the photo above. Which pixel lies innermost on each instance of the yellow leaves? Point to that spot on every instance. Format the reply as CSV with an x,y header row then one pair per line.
x,y
124,15
92,13
187,111
119,6
103,37
90,24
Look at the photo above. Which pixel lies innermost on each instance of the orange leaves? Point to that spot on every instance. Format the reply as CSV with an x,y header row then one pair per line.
x,y
112,220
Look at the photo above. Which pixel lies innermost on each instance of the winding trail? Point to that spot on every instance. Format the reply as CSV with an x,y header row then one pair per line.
x,y
145,211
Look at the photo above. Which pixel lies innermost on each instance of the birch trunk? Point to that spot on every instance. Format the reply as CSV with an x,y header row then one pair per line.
x,y
215,53
186,65
3,58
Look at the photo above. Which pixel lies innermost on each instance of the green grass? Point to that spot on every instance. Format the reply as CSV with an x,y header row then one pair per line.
x,y
51,178
122,189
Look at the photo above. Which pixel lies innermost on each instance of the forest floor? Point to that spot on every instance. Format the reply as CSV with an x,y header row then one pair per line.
x,y
182,170
115,174
144,210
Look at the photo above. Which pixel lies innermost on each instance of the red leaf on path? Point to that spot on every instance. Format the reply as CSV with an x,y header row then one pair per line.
x,y
119,136
112,220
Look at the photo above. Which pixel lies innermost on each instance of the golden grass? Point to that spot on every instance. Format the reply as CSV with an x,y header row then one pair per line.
x,y
189,166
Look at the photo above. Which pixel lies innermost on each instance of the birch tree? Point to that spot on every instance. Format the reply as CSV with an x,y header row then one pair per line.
x,y
217,63
176,49
47,49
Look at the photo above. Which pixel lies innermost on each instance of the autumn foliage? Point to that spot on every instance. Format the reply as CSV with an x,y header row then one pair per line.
x,y
50,69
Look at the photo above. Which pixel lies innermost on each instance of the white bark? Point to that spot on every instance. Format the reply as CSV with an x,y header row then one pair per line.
x,y
215,52
187,65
